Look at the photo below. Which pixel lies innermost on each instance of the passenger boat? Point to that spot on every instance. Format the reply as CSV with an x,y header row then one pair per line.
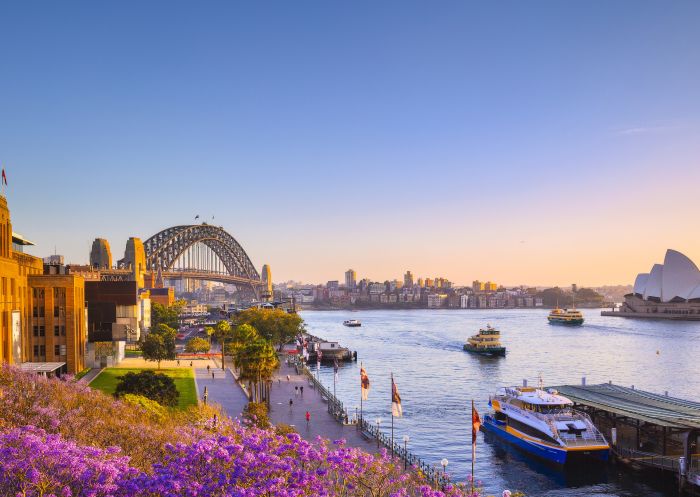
x,y
486,342
565,316
543,423
353,323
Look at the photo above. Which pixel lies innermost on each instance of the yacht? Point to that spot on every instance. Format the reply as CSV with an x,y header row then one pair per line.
x,y
543,423
565,316
353,323
486,342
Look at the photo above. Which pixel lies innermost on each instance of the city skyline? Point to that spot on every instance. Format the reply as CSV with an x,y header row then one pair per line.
x,y
525,146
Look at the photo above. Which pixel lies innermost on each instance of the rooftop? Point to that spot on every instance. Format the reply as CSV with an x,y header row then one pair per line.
x,y
20,240
636,404
41,367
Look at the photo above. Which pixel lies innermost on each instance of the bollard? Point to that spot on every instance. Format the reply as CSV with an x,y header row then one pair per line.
x,y
583,381
613,436
525,382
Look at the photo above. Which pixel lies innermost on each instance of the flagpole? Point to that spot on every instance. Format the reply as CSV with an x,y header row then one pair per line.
x,y
392,416
473,446
361,418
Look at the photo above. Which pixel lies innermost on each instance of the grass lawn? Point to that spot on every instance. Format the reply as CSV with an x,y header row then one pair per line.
x,y
106,381
133,353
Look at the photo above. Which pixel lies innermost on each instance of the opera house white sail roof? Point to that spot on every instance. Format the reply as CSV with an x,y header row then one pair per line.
x,y
677,279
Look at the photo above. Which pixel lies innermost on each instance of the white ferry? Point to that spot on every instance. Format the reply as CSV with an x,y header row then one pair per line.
x,y
543,423
353,323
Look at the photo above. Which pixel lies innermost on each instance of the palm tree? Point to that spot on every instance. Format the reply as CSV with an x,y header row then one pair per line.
x,y
223,332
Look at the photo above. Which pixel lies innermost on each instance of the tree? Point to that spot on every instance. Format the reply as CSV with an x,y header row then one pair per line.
x,y
275,325
161,314
197,345
222,333
209,331
242,335
154,386
258,362
256,414
159,344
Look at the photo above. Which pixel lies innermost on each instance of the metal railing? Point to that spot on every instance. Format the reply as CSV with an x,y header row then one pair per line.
x,y
339,412
671,463
431,473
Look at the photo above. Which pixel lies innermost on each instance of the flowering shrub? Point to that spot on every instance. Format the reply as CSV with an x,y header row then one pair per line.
x,y
71,451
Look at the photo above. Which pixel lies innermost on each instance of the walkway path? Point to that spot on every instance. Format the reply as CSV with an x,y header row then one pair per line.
x,y
322,423
90,375
222,388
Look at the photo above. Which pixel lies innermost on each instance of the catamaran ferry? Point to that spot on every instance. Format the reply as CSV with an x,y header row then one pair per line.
x,y
565,316
487,342
543,423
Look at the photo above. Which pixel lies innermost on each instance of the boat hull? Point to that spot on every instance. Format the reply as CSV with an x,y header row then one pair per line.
x,y
569,322
548,453
351,325
492,351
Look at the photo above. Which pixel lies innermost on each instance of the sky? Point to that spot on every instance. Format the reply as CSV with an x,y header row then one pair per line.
x,y
540,143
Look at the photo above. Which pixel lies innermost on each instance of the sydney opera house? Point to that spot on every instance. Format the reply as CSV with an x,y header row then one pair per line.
x,y
670,290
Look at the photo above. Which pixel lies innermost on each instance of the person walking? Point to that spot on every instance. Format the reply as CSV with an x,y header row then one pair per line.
x,y
296,391
308,418
208,368
212,375
291,403
301,390
178,362
287,377
190,363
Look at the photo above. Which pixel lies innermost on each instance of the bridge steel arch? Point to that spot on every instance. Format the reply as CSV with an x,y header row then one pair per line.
x,y
164,248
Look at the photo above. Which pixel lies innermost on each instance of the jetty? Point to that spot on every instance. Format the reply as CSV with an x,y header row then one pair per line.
x,y
646,430
330,351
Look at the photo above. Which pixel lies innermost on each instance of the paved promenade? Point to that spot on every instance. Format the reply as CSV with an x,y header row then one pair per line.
x,y
222,388
322,423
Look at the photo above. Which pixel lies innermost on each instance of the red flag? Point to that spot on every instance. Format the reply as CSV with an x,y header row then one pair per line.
x,y
476,423
4,178
364,383
396,409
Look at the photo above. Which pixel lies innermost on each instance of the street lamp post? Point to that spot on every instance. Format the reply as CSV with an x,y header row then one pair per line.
x,y
378,421
444,463
206,395
357,419
405,452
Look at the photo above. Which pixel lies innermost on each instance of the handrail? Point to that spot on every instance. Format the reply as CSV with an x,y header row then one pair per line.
x,y
340,414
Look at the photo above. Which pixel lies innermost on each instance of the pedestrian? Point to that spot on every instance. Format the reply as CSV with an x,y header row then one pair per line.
x,y
296,391
178,362
190,363
301,390
308,418
290,405
287,377
208,368
212,375
279,380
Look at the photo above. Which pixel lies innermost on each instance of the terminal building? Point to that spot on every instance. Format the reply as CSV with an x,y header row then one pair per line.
x,y
669,291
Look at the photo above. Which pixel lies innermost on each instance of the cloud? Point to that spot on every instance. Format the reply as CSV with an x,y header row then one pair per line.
x,y
642,130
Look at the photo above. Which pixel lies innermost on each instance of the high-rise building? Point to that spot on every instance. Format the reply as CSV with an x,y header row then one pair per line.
x,y
408,279
421,283
100,254
350,279
477,286
490,286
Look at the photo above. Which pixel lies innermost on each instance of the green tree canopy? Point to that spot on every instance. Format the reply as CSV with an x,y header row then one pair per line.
x,y
161,314
275,325
154,386
197,345
159,344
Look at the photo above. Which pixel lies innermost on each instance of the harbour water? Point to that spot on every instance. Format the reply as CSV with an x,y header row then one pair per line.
x,y
437,381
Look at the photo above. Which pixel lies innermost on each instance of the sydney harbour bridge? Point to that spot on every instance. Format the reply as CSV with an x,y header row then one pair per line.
x,y
191,252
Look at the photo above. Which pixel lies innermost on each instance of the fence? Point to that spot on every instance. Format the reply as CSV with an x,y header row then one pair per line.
x,y
340,414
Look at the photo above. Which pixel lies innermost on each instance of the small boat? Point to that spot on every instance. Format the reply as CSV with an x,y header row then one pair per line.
x,y
570,317
353,323
487,342
544,424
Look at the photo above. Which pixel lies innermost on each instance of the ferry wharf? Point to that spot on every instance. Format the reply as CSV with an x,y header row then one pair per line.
x,y
645,430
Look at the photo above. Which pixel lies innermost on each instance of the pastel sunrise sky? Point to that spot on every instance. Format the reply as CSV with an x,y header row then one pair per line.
x,y
543,142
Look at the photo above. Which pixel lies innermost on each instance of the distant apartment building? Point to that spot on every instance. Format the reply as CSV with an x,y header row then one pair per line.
x,y
436,300
350,279
408,279
332,285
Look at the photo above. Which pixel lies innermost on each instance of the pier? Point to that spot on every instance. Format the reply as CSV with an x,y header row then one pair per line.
x,y
645,430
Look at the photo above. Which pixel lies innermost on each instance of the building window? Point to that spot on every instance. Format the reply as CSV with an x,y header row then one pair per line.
x,y
36,351
36,332
56,331
42,330
63,330
42,350
57,350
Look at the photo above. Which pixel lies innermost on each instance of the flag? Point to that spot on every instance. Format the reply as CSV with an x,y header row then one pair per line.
x,y
4,177
364,383
335,368
476,424
396,410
